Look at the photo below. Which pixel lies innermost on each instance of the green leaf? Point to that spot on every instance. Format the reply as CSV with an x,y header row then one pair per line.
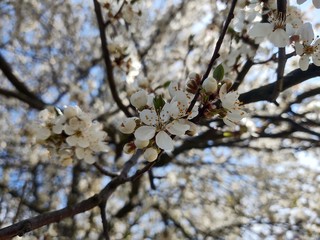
x,y
166,84
218,73
158,103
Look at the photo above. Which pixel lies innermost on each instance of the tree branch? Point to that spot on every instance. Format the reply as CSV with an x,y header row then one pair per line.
x,y
264,93
30,101
107,60
104,220
22,227
25,94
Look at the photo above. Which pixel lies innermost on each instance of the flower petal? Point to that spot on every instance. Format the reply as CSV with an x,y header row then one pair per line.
x,y
316,59
279,38
164,141
150,154
149,117
177,128
306,33
145,133
260,30
299,48
304,62
228,122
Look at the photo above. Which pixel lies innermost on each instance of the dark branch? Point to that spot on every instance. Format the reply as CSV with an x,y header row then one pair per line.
x,y
107,60
264,93
216,54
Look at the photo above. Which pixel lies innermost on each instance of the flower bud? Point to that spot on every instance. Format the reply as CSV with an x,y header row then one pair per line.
x,y
193,82
210,85
141,144
139,99
129,148
143,82
150,154
128,125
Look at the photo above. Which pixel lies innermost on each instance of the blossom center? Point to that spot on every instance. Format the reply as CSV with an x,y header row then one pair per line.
x,y
309,49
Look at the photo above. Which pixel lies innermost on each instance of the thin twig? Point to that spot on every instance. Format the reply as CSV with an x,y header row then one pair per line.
x,y
105,171
22,227
107,60
216,54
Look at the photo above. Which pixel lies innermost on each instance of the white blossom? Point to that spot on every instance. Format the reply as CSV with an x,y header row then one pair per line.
x,y
139,99
159,125
210,85
274,31
128,125
73,134
150,154
308,48
231,104
141,144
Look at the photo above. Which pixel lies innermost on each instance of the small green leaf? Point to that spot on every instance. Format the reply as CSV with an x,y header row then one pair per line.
x,y
227,134
166,84
158,103
218,73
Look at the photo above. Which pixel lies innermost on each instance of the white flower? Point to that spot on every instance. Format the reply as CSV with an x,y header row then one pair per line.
x,y
128,125
164,141
145,133
308,48
139,99
158,125
42,132
74,134
86,154
45,115
58,126
210,85
78,140
150,154
178,127
71,111
274,31
229,101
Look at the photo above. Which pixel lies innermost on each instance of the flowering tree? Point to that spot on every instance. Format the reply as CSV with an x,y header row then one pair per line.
x,y
159,119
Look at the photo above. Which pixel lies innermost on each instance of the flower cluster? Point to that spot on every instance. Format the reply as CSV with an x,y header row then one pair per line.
x,y
290,29
158,122
70,133
219,101
307,47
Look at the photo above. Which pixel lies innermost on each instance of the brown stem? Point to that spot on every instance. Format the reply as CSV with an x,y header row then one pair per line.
x,y
216,54
107,60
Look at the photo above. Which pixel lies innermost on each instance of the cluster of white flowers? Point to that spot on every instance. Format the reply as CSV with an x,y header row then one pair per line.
x,y
290,29
230,108
307,47
128,9
158,122
70,133
279,29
